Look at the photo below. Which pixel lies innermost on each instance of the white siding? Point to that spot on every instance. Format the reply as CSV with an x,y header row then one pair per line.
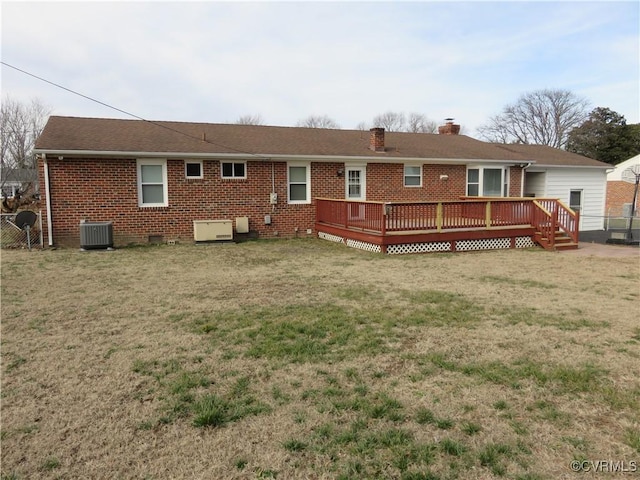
x,y
592,182
616,173
534,183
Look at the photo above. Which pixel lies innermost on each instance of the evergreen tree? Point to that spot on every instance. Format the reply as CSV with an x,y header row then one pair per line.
x,y
605,136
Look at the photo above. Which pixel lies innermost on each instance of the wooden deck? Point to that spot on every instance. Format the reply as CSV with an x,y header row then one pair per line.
x,y
469,224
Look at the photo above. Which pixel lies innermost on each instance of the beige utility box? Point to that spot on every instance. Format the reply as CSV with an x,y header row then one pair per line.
x,y
211,230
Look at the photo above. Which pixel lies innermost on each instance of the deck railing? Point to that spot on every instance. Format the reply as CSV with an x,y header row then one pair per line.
x,y
551,215
546,215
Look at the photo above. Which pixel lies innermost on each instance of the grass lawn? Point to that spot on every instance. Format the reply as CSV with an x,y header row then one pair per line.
x,y
305,359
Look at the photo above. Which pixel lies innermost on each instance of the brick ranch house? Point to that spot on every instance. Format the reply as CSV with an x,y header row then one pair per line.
x,y
157,181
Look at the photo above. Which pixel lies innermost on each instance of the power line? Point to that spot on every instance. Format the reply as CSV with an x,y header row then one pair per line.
x,y
166,127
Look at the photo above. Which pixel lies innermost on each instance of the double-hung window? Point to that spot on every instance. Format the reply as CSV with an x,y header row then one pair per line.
x,y
487,182
152,183
233,169
412,176
299,182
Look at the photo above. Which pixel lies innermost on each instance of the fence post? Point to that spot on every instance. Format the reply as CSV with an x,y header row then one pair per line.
x,y
40,226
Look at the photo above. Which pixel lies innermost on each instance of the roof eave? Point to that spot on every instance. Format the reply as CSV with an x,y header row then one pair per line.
x,y
595,167
268,156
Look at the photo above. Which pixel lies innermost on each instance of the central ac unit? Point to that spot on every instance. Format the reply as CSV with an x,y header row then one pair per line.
x,y
96,235
210,230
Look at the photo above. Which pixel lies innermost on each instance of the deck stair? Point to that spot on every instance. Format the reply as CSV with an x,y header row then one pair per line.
x,y
556,225
561,241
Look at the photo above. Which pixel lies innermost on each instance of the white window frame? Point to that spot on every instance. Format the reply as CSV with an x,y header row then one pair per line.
x,y
165,189
419,175
469,168
504,180
186,174
307,165
233,176
363,181
579,191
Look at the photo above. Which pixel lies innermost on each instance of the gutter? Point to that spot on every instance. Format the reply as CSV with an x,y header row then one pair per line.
x,y
592,167
273,157
47,191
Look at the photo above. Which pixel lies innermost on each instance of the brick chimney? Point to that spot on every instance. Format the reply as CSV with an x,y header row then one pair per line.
x,y
449,128
376,139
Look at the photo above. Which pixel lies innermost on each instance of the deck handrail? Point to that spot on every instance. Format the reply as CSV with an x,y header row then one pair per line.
x,y
544,222
380,218
568,220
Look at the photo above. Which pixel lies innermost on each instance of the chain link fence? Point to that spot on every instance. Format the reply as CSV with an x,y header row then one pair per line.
x,y
13,236
615,230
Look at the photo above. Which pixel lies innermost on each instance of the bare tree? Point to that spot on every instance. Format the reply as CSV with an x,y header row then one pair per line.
x,y
20,126
390,121
399,122
419,123
318,121
542,117
250,120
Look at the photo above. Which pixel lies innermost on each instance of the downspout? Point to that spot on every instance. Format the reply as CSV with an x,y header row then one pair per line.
x,y
47,193
522,179
273,187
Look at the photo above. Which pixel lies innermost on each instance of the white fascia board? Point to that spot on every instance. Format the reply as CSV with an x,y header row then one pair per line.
x,y
415,160
274,157
504,163
592,167
134,154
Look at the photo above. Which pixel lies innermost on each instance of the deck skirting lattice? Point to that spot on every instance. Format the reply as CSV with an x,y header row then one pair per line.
x,y
330,237
426,247
525,242
469,244
369,247
483,244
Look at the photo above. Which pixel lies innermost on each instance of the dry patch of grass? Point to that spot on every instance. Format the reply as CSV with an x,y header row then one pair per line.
x,y
304,359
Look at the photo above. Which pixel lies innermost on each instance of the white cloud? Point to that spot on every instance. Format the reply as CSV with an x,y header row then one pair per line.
x,y
215,61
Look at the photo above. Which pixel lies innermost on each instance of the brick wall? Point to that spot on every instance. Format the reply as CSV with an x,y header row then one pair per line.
x,y
385,182
515,182
97,190
619,193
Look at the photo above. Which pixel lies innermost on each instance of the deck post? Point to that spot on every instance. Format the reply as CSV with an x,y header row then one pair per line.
x,y
487,215
383,228
554,226
346,214
439,217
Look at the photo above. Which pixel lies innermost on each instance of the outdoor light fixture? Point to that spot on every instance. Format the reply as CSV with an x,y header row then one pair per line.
x,y
444,177
340,172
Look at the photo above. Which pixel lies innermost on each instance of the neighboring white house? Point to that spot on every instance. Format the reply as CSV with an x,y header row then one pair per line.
x,y
582,187
14,180
616,173
619,192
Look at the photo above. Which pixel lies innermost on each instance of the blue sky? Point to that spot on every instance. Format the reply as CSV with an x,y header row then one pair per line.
x,y
216,61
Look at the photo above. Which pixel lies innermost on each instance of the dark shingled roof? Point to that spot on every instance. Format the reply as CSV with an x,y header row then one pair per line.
x,y
68,134
545,155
